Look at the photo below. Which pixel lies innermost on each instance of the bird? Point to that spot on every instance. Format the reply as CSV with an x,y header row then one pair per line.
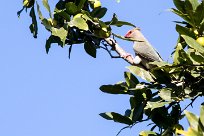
x,y
144,51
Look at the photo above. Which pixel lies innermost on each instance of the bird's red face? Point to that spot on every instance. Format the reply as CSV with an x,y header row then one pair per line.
x,y
129,34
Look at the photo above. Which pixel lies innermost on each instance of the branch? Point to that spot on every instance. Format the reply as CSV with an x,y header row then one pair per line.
x,y
190,104
122,53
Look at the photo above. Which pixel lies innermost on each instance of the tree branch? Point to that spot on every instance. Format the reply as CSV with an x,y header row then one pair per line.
x,y
122,53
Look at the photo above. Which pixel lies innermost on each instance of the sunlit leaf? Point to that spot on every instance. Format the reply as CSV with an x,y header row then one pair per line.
x,y
79,22
193,44
140,72
194,3
47,6
165,94
202,114
192,119
147,133
61,33
153,105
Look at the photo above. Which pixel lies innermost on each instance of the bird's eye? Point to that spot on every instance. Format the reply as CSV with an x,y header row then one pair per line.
x,y
130,32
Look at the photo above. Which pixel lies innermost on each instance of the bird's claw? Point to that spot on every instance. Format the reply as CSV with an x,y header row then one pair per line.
x,y
125,55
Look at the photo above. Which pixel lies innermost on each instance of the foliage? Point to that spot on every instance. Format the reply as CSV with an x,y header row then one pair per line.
x,y
158,98
73,22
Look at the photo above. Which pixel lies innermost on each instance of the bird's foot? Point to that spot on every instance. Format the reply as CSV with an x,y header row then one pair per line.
x,y
125,55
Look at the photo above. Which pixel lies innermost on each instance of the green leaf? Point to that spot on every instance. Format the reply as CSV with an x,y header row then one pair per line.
x,y
61,33
131,80
194,3
147,133
50,40
90,48
160,64
81,4
185,31
192,120
123,38
137,113
141,73
34,25
114,89
71,8
116,117
179,5
79,22
195,56
99,12
47,6
64,15
44,21
39,12
199,13
201,114
154,105
184,16
120,23
165,94
193,44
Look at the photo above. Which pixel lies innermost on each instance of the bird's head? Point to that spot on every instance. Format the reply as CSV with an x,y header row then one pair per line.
x,y
134,34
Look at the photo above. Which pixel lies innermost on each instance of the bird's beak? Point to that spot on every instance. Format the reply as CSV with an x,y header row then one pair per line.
x,y
127,35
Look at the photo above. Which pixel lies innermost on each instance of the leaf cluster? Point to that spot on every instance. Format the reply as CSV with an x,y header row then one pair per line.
x,y
73,22
158,98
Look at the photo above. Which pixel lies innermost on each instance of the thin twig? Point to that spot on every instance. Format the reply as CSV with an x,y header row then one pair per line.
x,y
123,129
190,104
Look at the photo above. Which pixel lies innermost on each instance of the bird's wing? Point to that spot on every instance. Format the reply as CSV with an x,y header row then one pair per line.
x,y
146,52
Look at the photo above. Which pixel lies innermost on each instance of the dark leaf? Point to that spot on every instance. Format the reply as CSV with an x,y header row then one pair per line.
x,y
52,39
81,4
184,16
185,31
180,5
71,8
19,12
99,12
114,89
34,25
131,80
70,49
116,117
199,13
90,48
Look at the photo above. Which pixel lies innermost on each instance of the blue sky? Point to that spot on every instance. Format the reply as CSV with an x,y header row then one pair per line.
x,y
50,95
